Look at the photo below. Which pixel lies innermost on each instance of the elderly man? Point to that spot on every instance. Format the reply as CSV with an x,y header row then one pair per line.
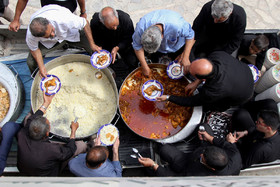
x,y
216,157
37,156
259,138
164,31
228,82
95,163
112,30
219,26
70,4
47,32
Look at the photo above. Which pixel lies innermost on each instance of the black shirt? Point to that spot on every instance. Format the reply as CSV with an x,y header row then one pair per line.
x,y
256,149
70,4
244,50
41,157
108,39
193,167
231,85
224,36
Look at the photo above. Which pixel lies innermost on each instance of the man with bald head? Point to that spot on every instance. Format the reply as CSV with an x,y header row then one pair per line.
x,y
95,163
227,82
112,30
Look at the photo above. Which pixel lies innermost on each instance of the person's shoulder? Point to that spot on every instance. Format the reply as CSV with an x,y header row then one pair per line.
x,y
238,10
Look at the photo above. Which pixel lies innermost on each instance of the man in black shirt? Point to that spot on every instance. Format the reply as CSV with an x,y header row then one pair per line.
x,y
112,30
227,82
262,140
219,26
37,156
221,158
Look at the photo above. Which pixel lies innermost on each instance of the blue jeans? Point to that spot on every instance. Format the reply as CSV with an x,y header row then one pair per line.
x,y
9,130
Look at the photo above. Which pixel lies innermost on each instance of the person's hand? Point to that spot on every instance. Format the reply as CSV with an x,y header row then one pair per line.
x,y
114,53
162,98
231,138
190,88
48,99
116,145
184,62
74,126
146,162
84,15
43,72
241,134
203,135
97,141
96,48
14,26
147,72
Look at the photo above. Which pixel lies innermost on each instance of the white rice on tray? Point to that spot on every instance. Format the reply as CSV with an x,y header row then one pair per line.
x,y
80,88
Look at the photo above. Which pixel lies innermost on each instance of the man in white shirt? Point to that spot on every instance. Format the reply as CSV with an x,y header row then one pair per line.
x,y
50,28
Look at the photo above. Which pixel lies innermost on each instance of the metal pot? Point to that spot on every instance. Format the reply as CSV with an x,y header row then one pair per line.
x,y
13,85
184,132
64,60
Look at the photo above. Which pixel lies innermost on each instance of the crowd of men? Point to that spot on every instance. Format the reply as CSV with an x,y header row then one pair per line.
x,y
208,50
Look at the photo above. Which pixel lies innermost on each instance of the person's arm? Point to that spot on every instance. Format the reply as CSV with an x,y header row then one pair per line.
x,y
182,101
88,33
147,162
237,30
46,103
82,5
184,58
116,162
39,59
74,127
15,24
141,57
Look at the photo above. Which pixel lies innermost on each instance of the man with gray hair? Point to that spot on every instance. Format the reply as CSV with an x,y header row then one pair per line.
x,y
219,26
37,156
163,32
112,30
50,28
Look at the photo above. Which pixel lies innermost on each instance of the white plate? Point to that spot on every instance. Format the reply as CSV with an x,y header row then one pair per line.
x,y
155,94
112,129
174,70
94,59
255,72
51,89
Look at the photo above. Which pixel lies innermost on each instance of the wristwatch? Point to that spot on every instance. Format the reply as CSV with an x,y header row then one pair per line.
x,y
167,97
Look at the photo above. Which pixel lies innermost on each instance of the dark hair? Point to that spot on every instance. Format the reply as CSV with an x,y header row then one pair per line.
x,y
38,128
215,157
38,26
96,156
261,42
270,118
1,136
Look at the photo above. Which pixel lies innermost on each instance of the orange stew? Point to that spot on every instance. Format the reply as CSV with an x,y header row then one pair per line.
x,y
154,120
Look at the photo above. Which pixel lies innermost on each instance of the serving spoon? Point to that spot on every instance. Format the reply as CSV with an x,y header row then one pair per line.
x,y
136,151
79,112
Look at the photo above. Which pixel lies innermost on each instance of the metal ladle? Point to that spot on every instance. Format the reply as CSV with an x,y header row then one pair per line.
x,y
79,112
98,74
136,151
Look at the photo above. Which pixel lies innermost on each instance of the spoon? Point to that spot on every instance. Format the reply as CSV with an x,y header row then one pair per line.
x,y
98,74
133,156
79,112
136,151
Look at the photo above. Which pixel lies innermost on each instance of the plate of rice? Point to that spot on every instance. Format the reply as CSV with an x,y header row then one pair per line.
x,y
108,134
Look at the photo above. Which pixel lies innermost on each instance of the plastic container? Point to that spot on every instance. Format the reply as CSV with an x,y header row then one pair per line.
x,y
272,57
271,93
270,78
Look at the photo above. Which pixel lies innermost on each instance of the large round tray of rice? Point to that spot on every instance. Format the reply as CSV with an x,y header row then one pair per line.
x,y
79,88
